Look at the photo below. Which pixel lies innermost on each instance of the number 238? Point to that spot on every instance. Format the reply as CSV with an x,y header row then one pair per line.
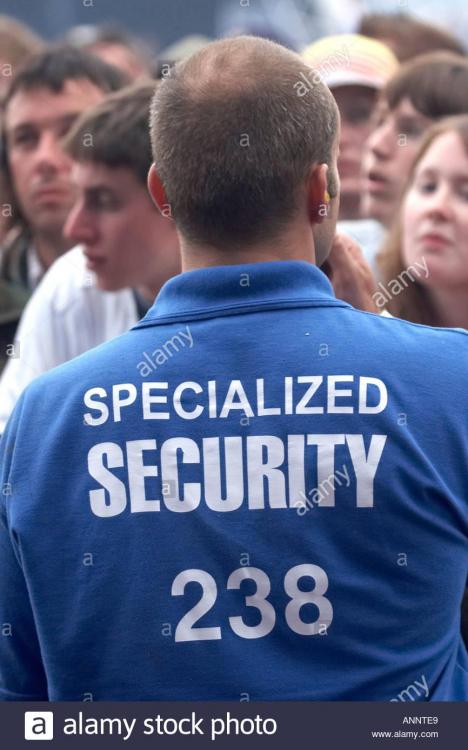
x,y
186,631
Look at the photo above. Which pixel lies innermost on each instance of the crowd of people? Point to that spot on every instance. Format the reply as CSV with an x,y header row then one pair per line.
x,y
125,180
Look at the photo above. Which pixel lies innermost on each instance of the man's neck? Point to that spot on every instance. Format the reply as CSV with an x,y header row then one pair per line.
x,y
296,246
150,291
49,247
151,288
450,307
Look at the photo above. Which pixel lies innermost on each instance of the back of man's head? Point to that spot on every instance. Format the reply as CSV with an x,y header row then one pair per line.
x,y
236,129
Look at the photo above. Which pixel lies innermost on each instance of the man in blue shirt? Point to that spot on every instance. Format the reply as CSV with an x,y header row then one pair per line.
x,y
259,489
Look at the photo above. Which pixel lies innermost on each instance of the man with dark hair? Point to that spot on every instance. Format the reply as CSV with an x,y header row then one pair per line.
x,y
266,507
125,246
43,100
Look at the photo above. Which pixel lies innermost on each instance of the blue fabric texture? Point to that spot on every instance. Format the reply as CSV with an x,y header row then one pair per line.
x,y
258,490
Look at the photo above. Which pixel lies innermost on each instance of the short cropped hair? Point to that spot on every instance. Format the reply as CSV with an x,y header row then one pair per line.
x,y
52,68
115,132
235,131
408,36
436,85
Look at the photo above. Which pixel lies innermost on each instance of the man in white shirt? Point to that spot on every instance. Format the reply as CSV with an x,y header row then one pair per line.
x,y
127,251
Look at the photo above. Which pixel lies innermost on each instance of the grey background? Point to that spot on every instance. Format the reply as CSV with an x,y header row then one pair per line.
x,y
297,22
166,20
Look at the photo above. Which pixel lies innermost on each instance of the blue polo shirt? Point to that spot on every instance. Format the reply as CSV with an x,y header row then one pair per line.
x,y
257,491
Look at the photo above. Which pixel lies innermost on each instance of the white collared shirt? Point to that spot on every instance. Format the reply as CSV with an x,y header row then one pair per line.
x,y
66,315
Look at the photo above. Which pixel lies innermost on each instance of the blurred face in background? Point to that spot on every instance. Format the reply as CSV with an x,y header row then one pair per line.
x,y
122,57
435,214
356,104
35,122
389,153
125,240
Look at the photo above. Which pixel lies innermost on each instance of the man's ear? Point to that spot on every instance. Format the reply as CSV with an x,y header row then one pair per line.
x,y
157,192
318,198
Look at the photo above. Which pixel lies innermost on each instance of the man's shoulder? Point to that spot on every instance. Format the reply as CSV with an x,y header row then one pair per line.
x,y
396,330
433,352
407,349
67,382
100,360
389,325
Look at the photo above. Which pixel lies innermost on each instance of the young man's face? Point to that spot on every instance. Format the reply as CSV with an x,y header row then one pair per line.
x,y
390,152
121,57
35,122
118,225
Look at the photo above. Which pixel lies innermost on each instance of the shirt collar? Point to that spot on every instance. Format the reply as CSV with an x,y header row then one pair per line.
x,y
35,269
228,290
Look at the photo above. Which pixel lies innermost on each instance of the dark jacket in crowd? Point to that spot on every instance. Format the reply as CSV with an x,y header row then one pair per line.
x,y
14,291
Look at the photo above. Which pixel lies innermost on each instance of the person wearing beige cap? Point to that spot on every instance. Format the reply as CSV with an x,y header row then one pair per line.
x,y
355,68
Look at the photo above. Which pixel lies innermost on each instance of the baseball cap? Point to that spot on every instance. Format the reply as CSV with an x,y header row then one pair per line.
x,y
351,60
